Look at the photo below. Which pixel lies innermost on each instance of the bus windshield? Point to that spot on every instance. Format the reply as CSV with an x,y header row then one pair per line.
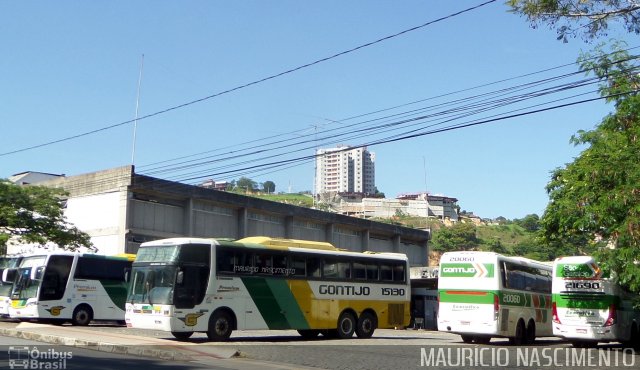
x,y
152,284
170,274
24,287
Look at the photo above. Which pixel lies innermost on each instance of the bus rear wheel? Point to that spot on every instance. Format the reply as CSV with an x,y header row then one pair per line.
x,y
466,338
520,336
366,325
346,325
182,335
82,315
220,326
482,340
531,332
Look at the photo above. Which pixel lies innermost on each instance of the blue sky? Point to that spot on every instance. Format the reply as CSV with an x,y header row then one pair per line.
x,y
69,68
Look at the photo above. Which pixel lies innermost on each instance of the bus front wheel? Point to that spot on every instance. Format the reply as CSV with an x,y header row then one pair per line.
x,y
82,315
182,335
366,325
346,325
220,326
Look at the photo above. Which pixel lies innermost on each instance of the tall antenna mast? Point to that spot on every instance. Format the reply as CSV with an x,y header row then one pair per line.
x,y
135,121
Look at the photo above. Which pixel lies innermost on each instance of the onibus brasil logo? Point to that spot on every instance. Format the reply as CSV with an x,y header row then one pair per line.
x,y
467,269
24,357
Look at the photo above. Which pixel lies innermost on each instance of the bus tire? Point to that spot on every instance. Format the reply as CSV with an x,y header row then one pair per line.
x,y
531,333
366,325
346,325
182,335
466,338
520,334
82,315
309,333
482,340
220,326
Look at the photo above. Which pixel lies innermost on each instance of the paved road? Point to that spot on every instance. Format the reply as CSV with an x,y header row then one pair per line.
x,y
388,349
39,355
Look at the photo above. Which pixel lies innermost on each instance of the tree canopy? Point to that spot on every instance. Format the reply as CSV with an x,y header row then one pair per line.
x,y
246,184
588,19
459,237
34,214
596,198
269,187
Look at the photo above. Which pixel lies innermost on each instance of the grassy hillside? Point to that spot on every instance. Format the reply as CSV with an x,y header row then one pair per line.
x,y
508,235
301,200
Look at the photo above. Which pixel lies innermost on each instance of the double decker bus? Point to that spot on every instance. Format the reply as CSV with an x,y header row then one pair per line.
x,y
187,285
6,263
76,287
589,306
484,295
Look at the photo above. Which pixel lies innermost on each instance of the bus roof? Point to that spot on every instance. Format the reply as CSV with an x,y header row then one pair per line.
x,y
278,242
478,256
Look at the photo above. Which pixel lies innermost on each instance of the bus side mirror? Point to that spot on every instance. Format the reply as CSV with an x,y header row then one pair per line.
x,y
180,277
127,274
36,273
9,275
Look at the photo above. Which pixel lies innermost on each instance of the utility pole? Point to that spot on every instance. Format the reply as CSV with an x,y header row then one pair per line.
x,y
135,121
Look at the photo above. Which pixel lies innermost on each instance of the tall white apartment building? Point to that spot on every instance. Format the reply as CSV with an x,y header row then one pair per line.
x,y
345,170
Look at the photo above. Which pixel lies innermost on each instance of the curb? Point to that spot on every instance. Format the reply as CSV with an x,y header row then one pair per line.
x,y
144,351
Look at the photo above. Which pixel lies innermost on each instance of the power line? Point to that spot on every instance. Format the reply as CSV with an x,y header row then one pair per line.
x,y
280,74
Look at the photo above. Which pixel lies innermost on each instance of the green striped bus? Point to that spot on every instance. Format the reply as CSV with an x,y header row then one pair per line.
x,y
484,295
589,306
188,285
75,287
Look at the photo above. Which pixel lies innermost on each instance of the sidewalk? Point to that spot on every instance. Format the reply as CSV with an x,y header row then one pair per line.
x,y
88,338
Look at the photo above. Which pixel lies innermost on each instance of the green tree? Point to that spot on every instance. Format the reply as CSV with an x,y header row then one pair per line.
x,y
246,184
34,214
529,222
495,245
596,198
587,18
459,237
269,187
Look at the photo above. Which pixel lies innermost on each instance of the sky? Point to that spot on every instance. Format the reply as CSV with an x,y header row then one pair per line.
x,y
225,89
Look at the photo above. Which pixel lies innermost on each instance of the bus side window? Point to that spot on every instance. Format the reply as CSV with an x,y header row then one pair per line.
x,y
313,267
56,274
386,272
359,271
503,274
372,272
225,260
329,268
263,263
399,274
298,263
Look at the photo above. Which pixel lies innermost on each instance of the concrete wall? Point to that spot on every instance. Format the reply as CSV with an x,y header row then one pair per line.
x,y
120,210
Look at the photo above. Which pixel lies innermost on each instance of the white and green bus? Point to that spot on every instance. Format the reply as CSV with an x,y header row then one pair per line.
x,y
589,306
484,295
75,287
6,263
188,285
